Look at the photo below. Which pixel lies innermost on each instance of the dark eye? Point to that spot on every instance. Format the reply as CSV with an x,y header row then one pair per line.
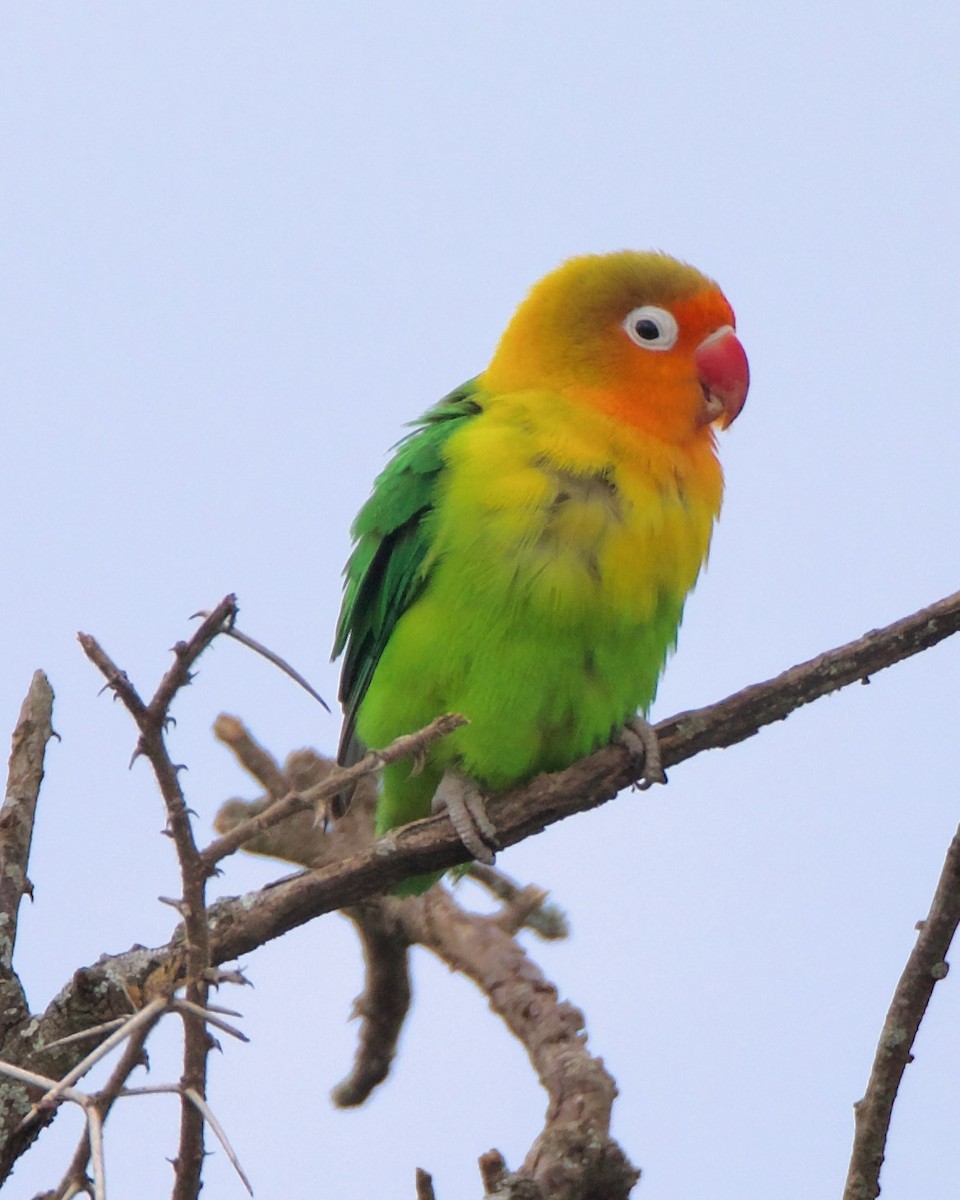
x,y
651,327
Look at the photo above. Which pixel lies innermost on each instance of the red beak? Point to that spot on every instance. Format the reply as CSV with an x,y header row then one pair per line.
x,y
724,376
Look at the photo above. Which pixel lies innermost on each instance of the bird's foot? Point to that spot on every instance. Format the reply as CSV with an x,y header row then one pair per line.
x,y
463,802
640,738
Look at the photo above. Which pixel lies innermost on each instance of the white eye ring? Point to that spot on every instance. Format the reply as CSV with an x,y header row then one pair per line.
x,y
651,328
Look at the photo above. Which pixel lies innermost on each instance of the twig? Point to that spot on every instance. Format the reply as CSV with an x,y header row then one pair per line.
x,y
185,654
742,715
516,913
925,967
407,746
493,1171
95,1135
545,920
34,1079
84,1034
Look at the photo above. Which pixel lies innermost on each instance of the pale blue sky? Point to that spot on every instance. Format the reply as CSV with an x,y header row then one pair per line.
x,y
240,245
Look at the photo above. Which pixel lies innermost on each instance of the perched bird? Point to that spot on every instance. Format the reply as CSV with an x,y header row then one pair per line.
x,y
525,556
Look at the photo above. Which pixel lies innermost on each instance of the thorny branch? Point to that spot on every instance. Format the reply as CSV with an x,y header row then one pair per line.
x,y
96,1105
234,926
46,1042
152,720
75,1179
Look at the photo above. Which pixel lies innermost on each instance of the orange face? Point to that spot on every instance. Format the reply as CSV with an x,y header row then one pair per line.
x,y
643,337
679,366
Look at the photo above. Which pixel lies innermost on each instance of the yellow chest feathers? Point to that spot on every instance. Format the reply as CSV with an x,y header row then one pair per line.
x,y
547,504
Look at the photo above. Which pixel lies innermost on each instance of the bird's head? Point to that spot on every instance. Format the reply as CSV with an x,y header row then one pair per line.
x,y
641,336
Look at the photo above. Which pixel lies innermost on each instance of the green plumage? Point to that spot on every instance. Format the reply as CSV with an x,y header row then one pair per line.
x,y
525,556
493,577
385,572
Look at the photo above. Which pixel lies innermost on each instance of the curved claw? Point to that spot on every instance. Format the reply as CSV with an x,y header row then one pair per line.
x,y
463,802
640,738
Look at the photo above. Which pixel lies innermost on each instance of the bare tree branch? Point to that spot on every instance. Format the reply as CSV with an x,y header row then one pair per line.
x,y
574,1154
254,759
432,844
384,1002
185,654
236,926
746,712
24,776
207,1113
925,967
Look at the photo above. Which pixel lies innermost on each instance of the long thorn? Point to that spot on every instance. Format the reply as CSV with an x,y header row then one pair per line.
x,y
206,1112
95,1133
271,656
206,1015
93,1031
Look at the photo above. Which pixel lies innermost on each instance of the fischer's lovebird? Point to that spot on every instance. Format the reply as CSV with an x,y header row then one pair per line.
x,y
525,555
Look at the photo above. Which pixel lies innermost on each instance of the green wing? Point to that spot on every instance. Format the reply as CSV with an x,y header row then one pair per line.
x,y
385,572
